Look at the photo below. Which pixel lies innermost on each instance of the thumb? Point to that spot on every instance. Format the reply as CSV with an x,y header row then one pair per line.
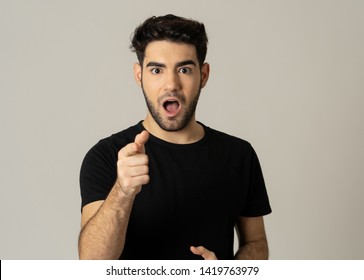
x,y
141,139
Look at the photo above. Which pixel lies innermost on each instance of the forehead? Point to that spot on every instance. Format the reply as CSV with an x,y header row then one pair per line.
x,y
169,52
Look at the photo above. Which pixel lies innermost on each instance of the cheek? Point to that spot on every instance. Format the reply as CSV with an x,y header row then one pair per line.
x,y
190,82
150,87
192,86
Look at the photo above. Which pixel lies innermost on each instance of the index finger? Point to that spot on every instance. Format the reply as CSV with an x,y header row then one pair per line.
x,y
142,138
137,146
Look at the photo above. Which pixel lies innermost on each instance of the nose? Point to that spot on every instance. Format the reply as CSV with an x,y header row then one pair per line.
x,y
172,82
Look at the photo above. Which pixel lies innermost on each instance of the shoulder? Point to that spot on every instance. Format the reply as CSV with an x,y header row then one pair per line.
x,y
226,140
231,148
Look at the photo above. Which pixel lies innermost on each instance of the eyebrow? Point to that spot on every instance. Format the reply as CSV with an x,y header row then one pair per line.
x,y
178,64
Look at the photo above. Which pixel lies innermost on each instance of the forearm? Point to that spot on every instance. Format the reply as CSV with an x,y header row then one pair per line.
x,y
103,236
256,250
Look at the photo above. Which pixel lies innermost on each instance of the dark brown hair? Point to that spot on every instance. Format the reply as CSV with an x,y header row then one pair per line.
x,y
171,28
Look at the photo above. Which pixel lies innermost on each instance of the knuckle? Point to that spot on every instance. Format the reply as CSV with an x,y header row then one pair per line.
x,y
122,163
122,172
146,179
144,170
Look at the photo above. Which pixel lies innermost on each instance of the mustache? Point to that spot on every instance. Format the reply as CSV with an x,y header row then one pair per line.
x,y
176,95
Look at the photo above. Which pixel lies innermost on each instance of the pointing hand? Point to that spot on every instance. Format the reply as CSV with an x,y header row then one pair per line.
x,y
132,165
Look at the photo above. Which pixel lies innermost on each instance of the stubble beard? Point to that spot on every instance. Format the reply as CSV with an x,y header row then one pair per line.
x,y
179,122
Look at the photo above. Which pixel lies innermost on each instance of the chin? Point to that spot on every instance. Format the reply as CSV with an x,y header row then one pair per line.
x,y
173,125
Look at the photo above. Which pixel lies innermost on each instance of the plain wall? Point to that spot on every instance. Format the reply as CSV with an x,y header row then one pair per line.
x,y
288,76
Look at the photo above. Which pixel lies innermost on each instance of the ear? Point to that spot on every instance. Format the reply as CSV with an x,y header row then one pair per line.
x,y
138,74
205,72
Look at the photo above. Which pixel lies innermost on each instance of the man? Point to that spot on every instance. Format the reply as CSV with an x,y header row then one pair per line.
x,y
169,187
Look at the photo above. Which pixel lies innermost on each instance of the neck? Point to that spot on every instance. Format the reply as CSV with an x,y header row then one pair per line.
x,y
193,132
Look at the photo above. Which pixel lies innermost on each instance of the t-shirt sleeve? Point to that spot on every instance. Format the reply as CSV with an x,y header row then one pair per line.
x,y
98,173
257,203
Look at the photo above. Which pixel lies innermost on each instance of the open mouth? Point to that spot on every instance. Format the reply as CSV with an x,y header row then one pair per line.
x,y
171,106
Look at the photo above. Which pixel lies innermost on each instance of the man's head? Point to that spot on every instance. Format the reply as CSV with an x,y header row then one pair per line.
x,y
171,69
170,28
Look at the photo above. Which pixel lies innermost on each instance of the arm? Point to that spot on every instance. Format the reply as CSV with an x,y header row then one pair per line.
x,y
104,223
103,226
253,243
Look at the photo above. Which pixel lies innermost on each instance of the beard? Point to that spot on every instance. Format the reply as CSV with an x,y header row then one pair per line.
x,y
179,122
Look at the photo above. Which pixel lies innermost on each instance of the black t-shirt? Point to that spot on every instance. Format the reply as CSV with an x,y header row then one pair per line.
x,y
195,195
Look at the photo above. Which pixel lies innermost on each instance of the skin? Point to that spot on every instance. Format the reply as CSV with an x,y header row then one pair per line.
x,y
172,68
169,69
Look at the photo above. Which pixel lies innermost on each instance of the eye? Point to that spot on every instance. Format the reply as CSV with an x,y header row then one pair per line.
x,y
185,70
156,71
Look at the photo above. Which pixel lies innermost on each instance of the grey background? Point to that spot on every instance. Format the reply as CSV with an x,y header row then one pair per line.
x,y
285,75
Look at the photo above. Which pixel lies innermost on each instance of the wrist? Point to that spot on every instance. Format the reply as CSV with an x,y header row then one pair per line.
x,y
129,193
